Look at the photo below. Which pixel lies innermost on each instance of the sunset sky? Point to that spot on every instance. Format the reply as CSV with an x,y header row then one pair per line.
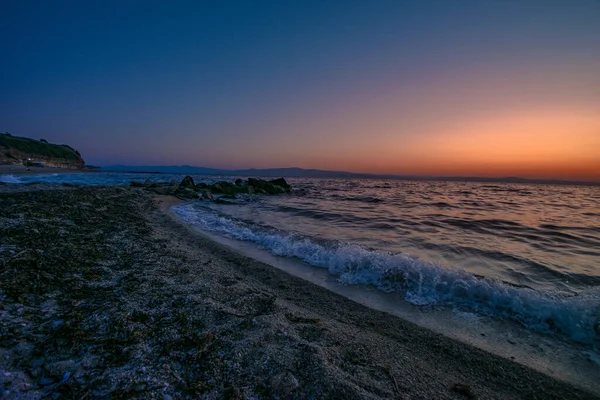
x,y
436,88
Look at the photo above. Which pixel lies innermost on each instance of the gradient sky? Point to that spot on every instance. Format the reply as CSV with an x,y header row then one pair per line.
x,y
486,88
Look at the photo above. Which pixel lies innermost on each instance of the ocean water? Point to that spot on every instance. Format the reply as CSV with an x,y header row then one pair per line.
x,y
529,253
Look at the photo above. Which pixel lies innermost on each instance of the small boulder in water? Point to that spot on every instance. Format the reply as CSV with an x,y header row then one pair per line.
x,y
216,188
225,184
206,194
187,182
281,183
137,184
186,193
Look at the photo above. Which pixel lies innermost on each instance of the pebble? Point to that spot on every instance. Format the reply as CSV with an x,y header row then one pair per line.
x,y
285,383
46,381
465,390
140,388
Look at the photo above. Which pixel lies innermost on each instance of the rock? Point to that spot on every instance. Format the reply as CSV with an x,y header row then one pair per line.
x,y
239,182
186,193
250,189
60,369
232,393
174,182
201,185
223,185
221,201
137,184
229,190
164,190
597,328
206,194
275,186
46,382
233,190
257,183
273,189
465,390
216,188
187,182
281,183
284,383
140,387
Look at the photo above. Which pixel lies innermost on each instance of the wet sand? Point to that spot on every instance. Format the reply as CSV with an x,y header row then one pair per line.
x,y
104,294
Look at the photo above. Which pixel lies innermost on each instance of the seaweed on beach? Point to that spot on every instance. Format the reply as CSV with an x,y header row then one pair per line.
x,y
96,304
102,297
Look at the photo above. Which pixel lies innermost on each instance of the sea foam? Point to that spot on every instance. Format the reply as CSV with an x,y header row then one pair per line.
x,y
9,179
422,283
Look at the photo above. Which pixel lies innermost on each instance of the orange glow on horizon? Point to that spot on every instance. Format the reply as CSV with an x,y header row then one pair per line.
x,y
547,145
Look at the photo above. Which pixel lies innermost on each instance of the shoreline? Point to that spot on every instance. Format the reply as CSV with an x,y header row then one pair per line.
x,y
551,355
143,307
22,170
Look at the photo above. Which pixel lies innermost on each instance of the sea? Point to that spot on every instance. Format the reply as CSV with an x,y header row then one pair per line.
x,y
525,253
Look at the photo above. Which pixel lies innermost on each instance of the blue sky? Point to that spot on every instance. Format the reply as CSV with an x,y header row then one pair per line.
x,y
385,86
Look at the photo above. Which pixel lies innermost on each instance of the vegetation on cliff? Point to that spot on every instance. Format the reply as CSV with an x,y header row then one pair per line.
x,y
20,150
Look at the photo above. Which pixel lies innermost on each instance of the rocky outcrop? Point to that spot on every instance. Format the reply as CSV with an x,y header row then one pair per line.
x,y
275,186
25,151
218,191
187,182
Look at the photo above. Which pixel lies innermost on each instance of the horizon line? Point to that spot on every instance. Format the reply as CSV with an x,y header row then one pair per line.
x,y
364,174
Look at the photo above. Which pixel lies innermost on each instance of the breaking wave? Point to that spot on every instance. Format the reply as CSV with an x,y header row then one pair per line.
x,y
422,283
9,179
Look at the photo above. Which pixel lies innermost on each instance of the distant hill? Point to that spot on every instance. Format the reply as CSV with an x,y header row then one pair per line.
x,y
268,172
294,172
26,151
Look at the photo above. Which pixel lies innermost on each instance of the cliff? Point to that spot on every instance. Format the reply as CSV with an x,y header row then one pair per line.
x,y
21,150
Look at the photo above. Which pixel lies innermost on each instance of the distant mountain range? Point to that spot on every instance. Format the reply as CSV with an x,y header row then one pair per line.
x,y
294,172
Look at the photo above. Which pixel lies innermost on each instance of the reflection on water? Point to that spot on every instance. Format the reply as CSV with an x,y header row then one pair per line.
x,y
540,236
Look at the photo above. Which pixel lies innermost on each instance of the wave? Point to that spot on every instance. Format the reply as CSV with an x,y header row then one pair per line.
x,y
9,179
94,178
422,283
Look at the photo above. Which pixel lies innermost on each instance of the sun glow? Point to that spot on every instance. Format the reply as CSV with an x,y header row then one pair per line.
x,y
548,144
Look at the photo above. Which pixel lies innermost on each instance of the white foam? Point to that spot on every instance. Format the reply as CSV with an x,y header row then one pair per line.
x,y
9,179
421,283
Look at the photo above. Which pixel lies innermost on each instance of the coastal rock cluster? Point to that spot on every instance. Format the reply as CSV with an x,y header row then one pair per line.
x,y
218,191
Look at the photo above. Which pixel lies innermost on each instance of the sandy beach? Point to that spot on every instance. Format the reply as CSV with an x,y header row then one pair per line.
x,y
103,294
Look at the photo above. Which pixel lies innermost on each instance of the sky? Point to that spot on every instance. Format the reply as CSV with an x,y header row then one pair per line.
x,y
431,88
